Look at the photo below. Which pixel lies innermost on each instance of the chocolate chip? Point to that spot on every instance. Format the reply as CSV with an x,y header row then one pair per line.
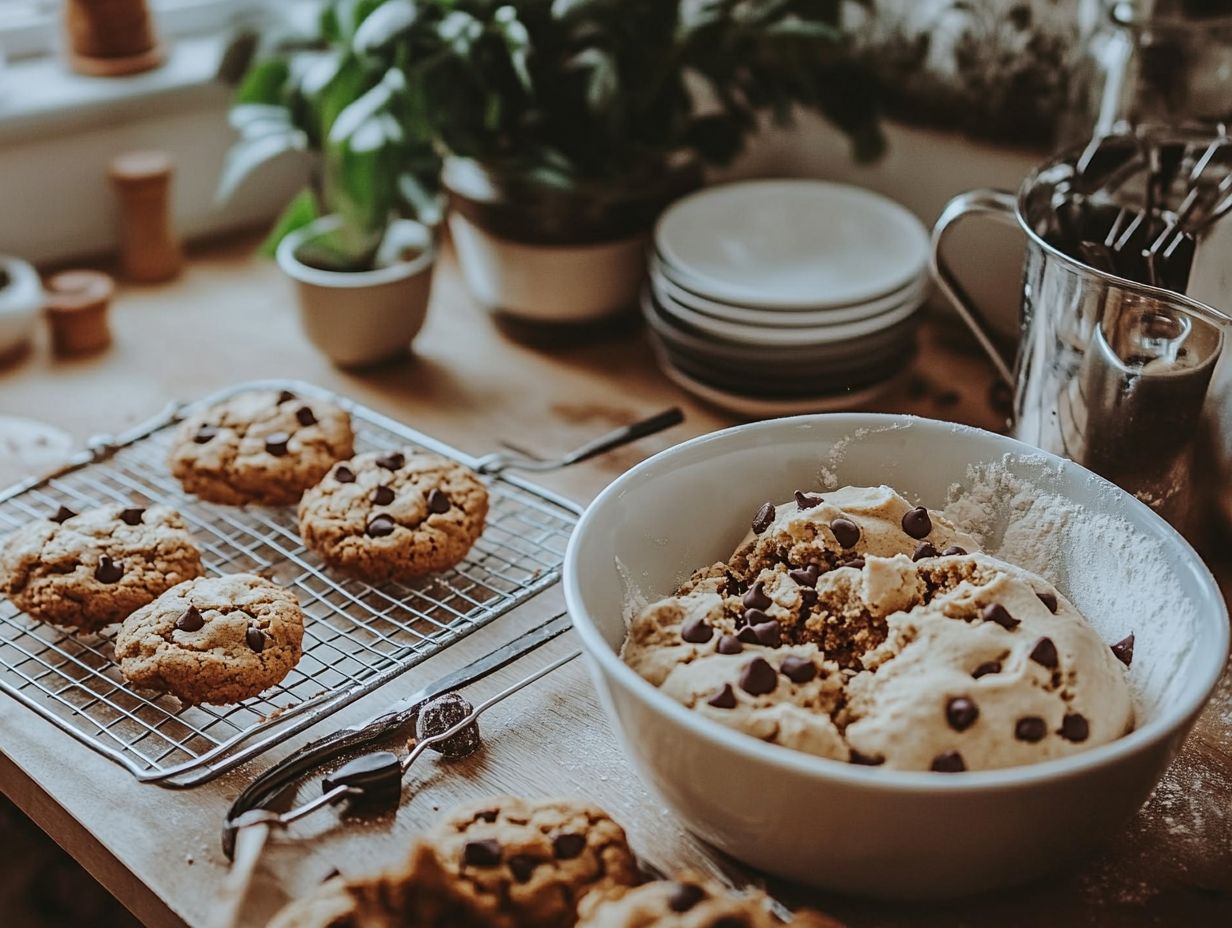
x,y
846,532
1074,727
108,571
917,523
568,846
747,635
949,762
954,551
696,631
864,760
724,698
382,496
808,597
205,434
924,549
285,397
131,516
255,638
1123,650
304,416
754,617
438,502
758,677
807,500
756,597
729,644
769,634
1045,653
344,474
485,853
805,576
487,815
276,443
986,668
63,514
684,896
765,515
798,669
380,525
391,461
995,612
190,621
522,866
856,562
961,713
1030,728
1049,600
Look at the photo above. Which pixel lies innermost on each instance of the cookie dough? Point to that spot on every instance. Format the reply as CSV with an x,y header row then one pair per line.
x,y
213,640
526,864
860,628
89,570
687,902
263,446
393,514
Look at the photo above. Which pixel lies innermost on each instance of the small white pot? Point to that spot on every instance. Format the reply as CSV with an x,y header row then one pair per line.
x,y
20,302
549,283
358,318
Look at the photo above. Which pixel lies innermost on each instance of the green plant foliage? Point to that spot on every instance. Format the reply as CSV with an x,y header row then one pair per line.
x,y
585,96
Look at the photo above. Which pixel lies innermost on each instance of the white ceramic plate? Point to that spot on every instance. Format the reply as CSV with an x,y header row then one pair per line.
x,y
666,289
745,333
791,243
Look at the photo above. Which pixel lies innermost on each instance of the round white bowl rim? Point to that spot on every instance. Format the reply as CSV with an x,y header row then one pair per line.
x,y
293,267
24,294
1164,726
716,288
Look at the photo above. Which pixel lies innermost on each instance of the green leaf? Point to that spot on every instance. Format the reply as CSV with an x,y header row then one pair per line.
x,y
577,9
383,25
460,31
424,203
603,82
265,82
247,155
297,214
517,43
252,120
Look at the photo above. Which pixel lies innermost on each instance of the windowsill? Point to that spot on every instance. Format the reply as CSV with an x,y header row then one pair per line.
x,y
41,97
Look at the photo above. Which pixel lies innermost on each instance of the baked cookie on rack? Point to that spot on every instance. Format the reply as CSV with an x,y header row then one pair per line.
x,y
687,902
385,515
90,570
526,864
262,446
213,640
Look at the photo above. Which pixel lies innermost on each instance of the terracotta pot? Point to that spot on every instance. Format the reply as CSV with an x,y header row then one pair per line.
x,y
359,318
108,38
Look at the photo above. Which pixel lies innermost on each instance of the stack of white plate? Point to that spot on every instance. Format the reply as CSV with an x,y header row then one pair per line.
x,y
771,297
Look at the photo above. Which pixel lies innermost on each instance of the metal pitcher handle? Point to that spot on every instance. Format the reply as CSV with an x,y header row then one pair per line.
x,y
999,204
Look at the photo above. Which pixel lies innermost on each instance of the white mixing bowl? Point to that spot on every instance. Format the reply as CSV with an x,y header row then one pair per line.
x,y
874,831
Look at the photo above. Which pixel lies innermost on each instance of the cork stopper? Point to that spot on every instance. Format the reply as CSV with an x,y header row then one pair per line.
x,y
76,308
142,182
110,38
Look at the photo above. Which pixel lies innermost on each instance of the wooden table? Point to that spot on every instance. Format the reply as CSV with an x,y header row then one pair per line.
x,y
232,317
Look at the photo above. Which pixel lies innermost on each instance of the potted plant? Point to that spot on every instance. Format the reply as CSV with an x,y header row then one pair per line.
x,y
564,126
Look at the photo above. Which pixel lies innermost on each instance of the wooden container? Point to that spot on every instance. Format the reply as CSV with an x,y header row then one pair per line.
x,y
76,308
109,38
149,249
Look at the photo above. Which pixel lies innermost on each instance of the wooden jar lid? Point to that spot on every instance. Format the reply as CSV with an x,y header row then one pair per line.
x,y
140,167
76,307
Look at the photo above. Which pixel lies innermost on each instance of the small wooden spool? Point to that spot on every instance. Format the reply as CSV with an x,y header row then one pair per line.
x,y
149,249
76,307
110,38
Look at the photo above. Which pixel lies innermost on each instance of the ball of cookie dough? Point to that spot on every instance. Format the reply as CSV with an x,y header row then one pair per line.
x,y
263,446
527,864
213,640
442,714
387,515
89,570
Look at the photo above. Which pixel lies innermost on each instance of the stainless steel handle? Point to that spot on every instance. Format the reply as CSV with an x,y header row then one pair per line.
x,y
999,204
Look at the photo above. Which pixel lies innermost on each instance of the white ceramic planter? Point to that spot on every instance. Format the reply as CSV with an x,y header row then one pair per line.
x,y
549,283
359,318
20,302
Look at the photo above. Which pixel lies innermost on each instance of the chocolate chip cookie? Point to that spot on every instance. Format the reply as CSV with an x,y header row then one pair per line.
x,y
87,571
526,864
387,515
263,446
213,640
688,902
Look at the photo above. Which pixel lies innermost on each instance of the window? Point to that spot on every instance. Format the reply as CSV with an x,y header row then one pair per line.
x,y
30,27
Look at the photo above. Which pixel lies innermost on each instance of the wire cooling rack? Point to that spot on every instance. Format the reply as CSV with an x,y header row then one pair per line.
x,y
356,635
